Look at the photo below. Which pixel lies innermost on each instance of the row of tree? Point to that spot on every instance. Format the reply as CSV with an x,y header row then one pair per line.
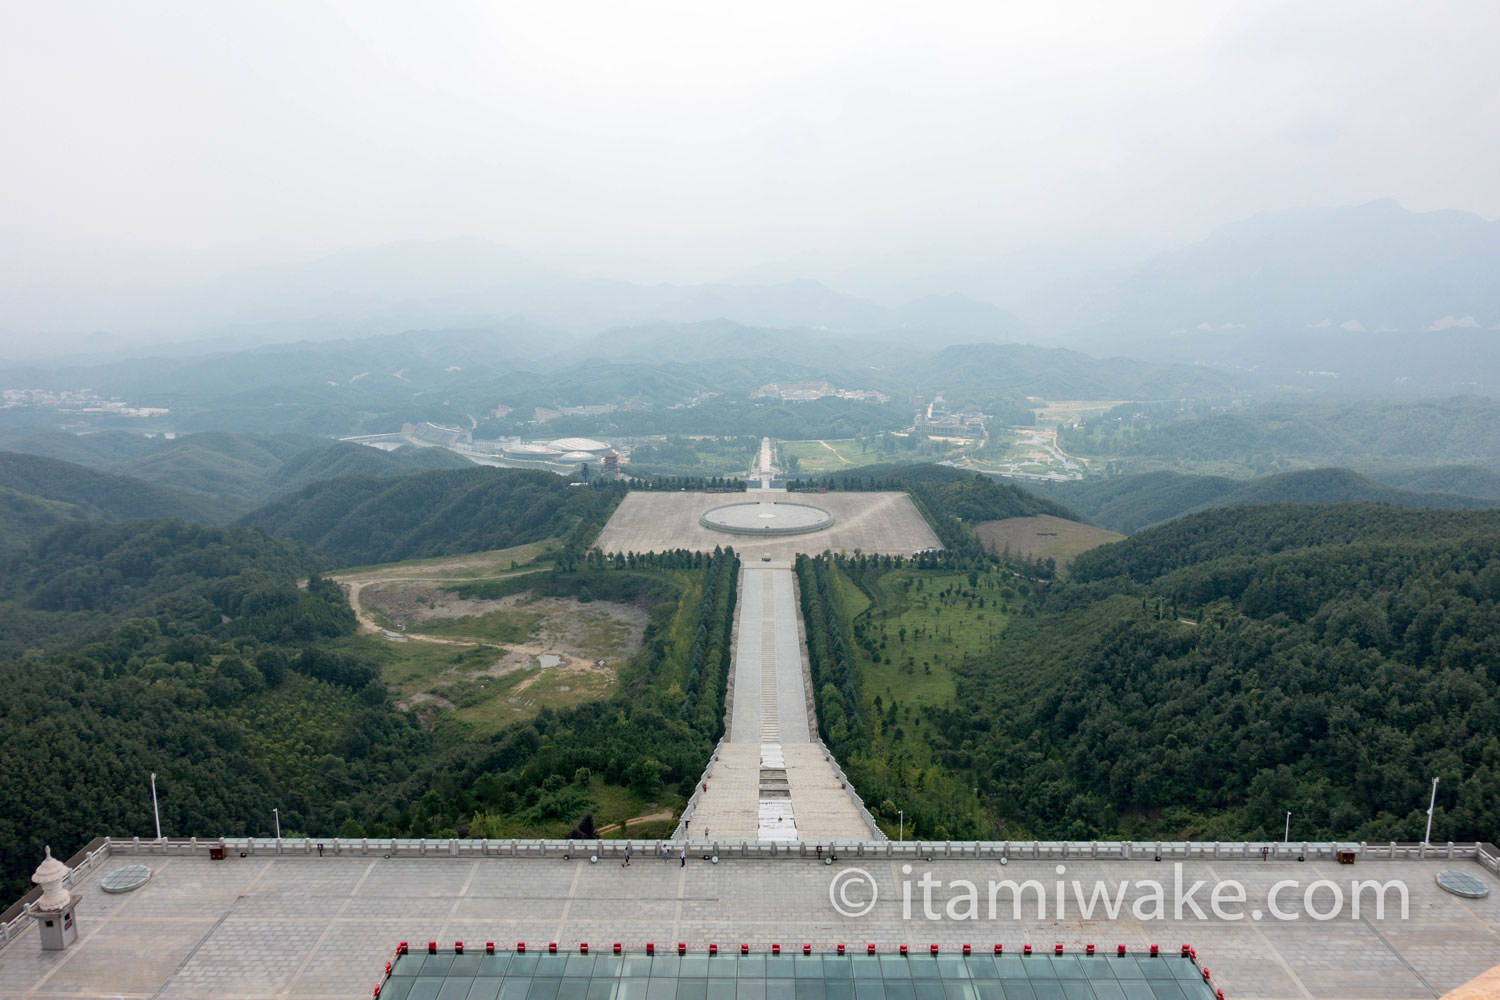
x,y
831,663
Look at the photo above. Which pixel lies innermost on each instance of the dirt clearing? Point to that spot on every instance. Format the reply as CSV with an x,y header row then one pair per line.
x,y
494,661
1043,537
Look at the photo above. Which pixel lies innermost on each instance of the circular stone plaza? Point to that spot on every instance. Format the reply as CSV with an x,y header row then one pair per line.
x,y
766,518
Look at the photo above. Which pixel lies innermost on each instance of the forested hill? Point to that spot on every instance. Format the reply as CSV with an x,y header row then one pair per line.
x,y
347,459
24,518
93,493
84,576
1204,677
194,652
362,520
188,651
1257,532
1338,486
1130,503
974,499
211,477
1054,373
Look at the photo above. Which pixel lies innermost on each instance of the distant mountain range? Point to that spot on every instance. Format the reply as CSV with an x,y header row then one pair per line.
x,y
1369,297
1370,268
446,285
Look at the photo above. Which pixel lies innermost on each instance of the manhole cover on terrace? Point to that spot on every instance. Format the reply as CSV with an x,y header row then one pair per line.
x,y
125,878
1462,884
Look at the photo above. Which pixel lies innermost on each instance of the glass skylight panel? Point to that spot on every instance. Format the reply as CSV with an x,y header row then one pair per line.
x,y
921,976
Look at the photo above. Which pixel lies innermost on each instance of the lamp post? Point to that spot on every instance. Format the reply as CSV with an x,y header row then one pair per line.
x,y
901,830
1427,837
277,813
154,810
1286,835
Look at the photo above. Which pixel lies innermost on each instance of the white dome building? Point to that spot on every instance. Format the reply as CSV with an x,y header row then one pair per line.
x,y
594,448
534,452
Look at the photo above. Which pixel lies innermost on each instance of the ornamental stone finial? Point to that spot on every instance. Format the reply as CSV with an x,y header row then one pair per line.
x,y
50,875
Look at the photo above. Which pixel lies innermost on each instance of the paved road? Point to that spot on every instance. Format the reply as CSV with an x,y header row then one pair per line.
x,y
765,470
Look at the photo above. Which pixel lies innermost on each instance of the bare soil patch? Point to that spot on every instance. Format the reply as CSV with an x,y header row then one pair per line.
x,y
562,625
1043,537
517,654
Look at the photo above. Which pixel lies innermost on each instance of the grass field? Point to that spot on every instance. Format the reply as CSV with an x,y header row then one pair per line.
x,y
1070,411
833,455
1043,537
916,635
918,623
840,454
495,627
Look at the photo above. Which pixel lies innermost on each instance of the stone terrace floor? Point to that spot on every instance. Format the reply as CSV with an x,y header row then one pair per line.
x,y
309,928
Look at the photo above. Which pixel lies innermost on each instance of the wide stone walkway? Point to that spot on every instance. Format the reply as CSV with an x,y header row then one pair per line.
x,y
311,928
769,779
770,702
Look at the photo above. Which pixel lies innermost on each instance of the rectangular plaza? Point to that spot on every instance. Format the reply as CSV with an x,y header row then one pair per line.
x,y
874,523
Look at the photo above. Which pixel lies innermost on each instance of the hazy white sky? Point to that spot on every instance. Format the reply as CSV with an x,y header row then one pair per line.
x,y
724,134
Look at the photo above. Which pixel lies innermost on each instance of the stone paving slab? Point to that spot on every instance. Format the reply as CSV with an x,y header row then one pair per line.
x,y
220,942
822,805
729,805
